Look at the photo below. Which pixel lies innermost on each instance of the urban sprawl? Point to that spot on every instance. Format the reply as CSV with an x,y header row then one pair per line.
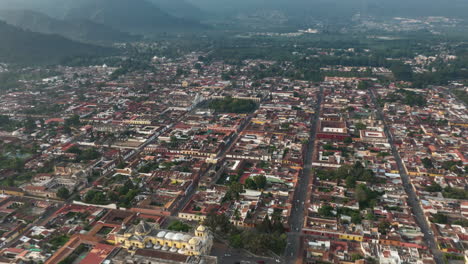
x,y
208,163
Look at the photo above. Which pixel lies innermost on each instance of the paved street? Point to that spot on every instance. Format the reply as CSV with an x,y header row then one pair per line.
x,y
412,198
221,155
228,255
292,252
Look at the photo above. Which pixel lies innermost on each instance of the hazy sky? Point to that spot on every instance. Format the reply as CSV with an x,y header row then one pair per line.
x,y
314,7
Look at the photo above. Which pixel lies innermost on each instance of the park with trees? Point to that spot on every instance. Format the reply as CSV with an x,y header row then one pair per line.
x,y
233,105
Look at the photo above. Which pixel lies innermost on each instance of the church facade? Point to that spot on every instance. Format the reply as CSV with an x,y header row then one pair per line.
x,y
149,236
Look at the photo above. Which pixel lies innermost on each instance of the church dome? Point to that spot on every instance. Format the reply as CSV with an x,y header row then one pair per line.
x,y
186,238
179,237
169,236
194,241
143,228
201,228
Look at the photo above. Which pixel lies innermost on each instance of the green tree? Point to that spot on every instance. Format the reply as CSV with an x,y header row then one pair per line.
x,y
30,125
455,193
326,211
439,218
67,130
7,124
95,197
179,226
121,165
384,227
356,218
265,225
370,216
250,184
260,181
434,187
363,85
427,163
87,154
277,221
58,241
218,223
356,256
63,193
73,121
402,71
360,126
234,191
232,105
365,196
236,241
350,182
361,193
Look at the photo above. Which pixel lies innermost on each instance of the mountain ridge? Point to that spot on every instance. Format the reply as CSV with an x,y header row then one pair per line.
x,y
131,16
180,9
19,46
136,16
80,30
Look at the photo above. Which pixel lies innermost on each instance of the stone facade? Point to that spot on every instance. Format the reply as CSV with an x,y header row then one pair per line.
x,y
148,236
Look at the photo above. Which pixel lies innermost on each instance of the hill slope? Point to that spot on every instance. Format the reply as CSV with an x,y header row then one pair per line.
x,y
133,16
82,30
180,9
139,16
25,47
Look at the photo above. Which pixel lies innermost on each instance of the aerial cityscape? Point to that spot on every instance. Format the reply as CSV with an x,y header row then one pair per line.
x,y
206,132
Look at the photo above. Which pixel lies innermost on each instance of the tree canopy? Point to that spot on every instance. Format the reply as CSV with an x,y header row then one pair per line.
x,y
63,193
351,174
257,182
179,226
232,105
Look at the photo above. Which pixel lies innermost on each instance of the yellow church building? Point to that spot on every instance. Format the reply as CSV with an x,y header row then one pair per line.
x,y
149,236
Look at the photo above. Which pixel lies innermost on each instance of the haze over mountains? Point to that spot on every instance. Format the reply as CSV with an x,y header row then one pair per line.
x,y
80,29
132,16
45,31
181,9
335,8
108,21
26,47
137,16
152,16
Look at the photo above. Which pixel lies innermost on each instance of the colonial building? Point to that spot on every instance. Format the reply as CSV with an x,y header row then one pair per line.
x,y
373,136
334,130
149,236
